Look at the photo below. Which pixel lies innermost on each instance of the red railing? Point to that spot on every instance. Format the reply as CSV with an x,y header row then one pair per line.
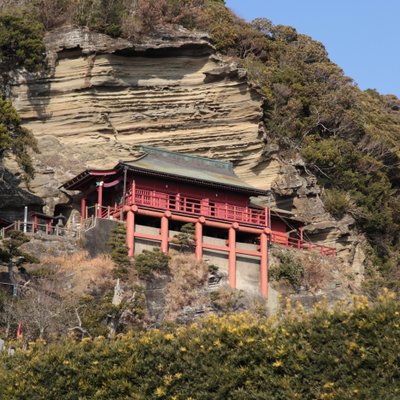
x,y
205,207
294,243
212,209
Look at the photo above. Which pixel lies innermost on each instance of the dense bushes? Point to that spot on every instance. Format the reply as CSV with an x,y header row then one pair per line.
x,y
331,354
149,263
21,43
289,268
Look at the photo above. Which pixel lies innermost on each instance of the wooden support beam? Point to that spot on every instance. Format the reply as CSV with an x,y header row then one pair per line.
x,y
99,198
148,236
199,241
133,193
232,255
215,247
130,232
164,234
264,265
35,223
83,211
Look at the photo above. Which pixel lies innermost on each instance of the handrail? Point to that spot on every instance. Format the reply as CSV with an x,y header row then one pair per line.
x,y
192,205
295,243
33,228
209,208
6,229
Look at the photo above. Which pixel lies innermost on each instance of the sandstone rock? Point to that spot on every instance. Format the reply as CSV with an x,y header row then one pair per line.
x,y
106,96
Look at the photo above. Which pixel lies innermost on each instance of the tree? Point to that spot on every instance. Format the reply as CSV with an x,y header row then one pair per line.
x,y
150,262
14,138
185,238
10,251
102,15
21,44
119,251
21,47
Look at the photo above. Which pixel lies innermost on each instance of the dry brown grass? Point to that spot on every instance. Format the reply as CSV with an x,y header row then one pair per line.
x,y
318,272
186,287
82,272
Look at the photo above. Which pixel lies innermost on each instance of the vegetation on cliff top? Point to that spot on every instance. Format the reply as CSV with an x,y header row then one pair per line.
x,y
331,354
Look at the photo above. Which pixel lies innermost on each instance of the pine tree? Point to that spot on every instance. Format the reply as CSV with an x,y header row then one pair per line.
x,y
119,251
185,238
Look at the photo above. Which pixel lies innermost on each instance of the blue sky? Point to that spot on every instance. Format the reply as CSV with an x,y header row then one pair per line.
x,y
361,36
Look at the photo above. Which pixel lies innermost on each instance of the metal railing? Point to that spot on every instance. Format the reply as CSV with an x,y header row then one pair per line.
x,y
33,228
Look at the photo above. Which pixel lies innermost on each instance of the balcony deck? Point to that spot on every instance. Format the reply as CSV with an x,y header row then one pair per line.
x,y
224,212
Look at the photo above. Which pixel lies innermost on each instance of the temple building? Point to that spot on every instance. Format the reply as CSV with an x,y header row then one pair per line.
x,y
160,191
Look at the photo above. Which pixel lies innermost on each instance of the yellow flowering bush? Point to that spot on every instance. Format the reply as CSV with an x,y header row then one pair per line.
x,y
338,353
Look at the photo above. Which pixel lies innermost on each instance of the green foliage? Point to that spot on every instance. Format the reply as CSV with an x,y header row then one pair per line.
x,y
150,262
336,202
330,354
10,248
21,46
98,314
185,238
345,167
101,15
289,269
119,251
15,138
95,311
21,43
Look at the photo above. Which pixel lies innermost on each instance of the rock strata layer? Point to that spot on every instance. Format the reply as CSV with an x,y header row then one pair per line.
x,y
104,97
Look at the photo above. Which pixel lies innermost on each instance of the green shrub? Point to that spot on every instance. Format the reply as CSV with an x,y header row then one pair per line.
x,y
336,202
289,269
150,262
103,16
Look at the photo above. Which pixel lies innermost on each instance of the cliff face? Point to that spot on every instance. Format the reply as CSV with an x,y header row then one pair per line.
x,y
103,97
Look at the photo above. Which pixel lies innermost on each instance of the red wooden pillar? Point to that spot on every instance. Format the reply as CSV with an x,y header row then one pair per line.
x,y
130,232
133,193
99,198
35,223
232,255
83,210
199,238
264,264
267,217
164,232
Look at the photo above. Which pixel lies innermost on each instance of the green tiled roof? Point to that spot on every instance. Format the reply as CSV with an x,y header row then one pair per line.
x,y
183,166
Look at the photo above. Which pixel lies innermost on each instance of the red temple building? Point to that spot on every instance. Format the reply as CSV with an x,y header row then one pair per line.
x,y
160,191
